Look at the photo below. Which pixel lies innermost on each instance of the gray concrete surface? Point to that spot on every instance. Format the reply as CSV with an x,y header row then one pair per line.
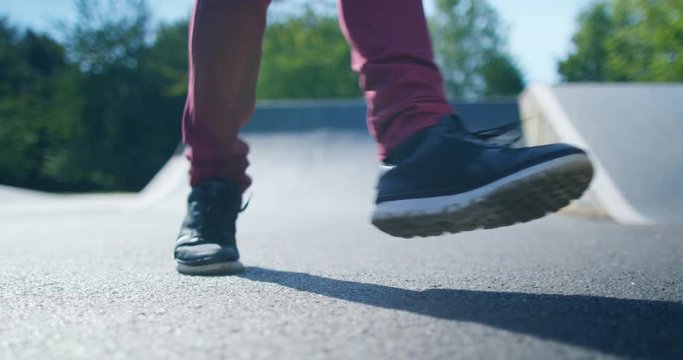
x,y
636,131
632,131
322,283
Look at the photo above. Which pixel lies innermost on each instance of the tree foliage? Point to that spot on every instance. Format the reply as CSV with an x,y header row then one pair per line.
x,y
306,56
471,50
100,112
35,80
627,40
125,123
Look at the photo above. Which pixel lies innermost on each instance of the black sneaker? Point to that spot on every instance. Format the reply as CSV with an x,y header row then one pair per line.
x,y
446,180
206,244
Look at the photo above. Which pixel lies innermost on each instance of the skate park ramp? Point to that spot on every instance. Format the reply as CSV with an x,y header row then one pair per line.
x,y
321,147
632,133
297,147
349,115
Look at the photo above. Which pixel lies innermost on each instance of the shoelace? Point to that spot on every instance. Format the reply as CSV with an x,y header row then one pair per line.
x,y
246,203
506,135
503,136
216,216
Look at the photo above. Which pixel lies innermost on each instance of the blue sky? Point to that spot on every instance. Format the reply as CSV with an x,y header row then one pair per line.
x,y
539,31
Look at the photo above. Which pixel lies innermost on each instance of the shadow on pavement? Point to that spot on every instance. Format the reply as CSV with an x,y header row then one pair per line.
x,y
634,328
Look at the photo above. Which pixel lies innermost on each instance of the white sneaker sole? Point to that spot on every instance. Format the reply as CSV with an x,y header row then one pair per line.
x,y
521,197
225,268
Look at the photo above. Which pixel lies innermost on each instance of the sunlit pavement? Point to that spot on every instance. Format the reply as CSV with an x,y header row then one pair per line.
x,y
93,277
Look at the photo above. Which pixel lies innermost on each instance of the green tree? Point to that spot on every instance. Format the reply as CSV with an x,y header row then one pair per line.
x,y
306,56
108,33
292,66
588,61
129,126
35,85
167,58
627,40
471,50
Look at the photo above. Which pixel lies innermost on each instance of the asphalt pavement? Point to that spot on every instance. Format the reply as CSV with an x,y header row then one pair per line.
x,y
93,277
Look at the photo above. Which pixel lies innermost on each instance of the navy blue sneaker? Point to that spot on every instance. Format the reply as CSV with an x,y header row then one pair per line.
x,y
206,244
446,180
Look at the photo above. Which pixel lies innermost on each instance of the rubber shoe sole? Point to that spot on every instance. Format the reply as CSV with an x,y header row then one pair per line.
x,y
521,197
225,268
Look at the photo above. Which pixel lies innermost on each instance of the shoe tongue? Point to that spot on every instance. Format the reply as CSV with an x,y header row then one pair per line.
x,y
406,148
453,122
218,190
213,189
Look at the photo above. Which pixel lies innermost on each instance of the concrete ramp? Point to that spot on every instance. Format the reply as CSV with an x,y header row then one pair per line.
x,y
633,134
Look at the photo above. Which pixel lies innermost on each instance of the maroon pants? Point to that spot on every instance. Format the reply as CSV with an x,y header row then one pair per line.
x,y
390,49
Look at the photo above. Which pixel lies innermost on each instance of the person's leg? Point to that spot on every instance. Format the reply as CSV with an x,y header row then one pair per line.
x,y
225,54
442,178
391,50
